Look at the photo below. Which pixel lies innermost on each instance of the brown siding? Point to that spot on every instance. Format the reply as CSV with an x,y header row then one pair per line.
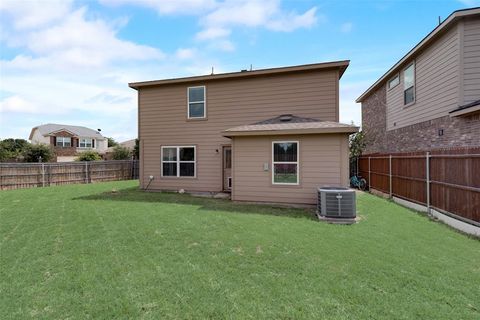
x,y
436,84
471,60
163,118
323,160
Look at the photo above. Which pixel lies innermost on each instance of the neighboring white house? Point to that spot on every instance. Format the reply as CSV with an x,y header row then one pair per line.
x,y
68,141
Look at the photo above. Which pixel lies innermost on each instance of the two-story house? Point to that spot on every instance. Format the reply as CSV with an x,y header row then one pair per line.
x,y
268,135
430,99
68,141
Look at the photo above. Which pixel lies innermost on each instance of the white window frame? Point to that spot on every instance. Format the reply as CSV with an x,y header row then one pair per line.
x,y
397,76
85,143
63,142
285,162
414,84
204,102
178,161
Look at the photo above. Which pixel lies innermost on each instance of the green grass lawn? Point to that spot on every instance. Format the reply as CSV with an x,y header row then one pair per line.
x,y
82,252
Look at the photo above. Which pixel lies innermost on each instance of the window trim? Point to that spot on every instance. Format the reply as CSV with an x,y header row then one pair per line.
x,y
414,86
85,144
178,161
286,162
391,79
63,142
204,103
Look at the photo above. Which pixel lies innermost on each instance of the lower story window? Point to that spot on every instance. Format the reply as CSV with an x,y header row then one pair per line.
x,y
64,142
86,143
179,161
285,162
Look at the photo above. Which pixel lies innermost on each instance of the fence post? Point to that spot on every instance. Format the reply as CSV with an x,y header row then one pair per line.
x,y
427,179
43,174
369,174
86,171
390,173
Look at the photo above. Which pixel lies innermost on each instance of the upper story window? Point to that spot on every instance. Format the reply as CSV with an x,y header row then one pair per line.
x,y
409,84
64,142
285,162
392,83
196,103
86,143
178,161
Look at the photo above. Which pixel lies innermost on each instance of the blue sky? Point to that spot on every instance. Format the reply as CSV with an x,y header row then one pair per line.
x,y
70,61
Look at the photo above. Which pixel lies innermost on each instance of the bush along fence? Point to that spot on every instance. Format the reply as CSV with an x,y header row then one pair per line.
x,y
29,175
447,181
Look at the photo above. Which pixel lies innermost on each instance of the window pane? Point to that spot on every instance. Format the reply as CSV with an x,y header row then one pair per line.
x,y
169,169
228,158
187,169
409,77
285,152
284,173
187,154
409,95
169,154
196,94
392,83
196,110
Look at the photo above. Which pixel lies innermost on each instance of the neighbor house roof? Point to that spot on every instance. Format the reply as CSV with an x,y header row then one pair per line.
x,y
466,109
289,124
51,128
340,65
129,144
451,20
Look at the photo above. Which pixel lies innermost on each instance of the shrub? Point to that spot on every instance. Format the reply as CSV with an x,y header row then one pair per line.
x,y
120,153
88,156
37,152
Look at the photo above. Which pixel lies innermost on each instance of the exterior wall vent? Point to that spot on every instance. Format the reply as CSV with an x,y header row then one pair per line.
x,y
336,202
286,117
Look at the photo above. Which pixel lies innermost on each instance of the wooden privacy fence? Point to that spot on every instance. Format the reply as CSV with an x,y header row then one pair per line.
x,y
447,181
29,175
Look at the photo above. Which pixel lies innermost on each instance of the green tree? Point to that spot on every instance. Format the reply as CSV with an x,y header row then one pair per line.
x,y
120,153
88,156
358,143
136,149
12,149
111,142
37,153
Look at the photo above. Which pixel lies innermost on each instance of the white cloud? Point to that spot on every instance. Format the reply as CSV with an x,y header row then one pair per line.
x,y
34,14
76,41
258,13
18,104
163,7
212,33
185,53
346,27
292,21
217,18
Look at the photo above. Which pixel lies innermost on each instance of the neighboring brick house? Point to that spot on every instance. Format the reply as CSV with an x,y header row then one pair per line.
x,y
68,141
430,99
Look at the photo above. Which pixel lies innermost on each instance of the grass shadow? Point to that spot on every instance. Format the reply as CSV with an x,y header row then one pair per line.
x,y
134,194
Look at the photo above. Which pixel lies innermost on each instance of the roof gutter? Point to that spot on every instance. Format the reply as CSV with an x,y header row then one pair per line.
x,y
341,65
348,130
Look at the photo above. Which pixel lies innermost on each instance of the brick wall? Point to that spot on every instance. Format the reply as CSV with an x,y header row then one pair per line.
x,y
457,131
